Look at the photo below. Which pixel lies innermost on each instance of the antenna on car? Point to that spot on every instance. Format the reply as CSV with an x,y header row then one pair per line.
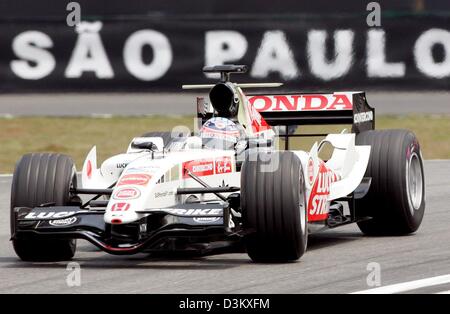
x,y
225,71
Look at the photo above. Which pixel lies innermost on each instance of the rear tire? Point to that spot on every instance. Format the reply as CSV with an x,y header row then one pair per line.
x,y
273,205
396,198
40,179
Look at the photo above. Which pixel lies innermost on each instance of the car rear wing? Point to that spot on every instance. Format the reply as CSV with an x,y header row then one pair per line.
x,y
316,109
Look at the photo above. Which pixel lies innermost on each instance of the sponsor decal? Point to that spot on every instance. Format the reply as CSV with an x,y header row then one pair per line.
x,y
89,169
134,179
232,137
318,205
120,207
413,147
219,126
63,222
310,171
336,177
363,117
164,194
48,215
126,194
257,121
206,220
195,211
313,102
223,165
206,167
207,132
203,167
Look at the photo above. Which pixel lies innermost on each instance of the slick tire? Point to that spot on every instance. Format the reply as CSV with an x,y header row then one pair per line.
x,y
396,198
273,203
41,179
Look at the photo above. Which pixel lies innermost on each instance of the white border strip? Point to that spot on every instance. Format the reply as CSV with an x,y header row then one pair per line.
x,y
408,286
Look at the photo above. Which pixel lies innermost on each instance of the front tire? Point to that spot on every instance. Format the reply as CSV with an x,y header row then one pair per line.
x,y
41,179
396,198
273,205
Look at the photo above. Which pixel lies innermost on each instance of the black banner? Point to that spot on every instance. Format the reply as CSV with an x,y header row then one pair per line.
x,y
31,9
306,52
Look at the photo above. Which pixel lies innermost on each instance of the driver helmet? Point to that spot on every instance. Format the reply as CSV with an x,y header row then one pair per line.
x,y
220,133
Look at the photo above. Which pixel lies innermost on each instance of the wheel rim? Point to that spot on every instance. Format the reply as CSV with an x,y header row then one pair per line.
x,y
302,207
303,217
414,182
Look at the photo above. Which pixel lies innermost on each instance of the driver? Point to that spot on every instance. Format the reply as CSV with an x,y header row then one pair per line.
x,y
221,133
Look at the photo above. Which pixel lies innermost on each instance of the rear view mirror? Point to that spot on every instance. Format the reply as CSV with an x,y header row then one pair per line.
x,y
141,143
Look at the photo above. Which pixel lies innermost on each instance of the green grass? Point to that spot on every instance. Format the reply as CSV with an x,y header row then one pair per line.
x,y
75,136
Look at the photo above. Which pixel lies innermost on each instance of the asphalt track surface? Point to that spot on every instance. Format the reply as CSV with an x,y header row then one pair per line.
x,y
336,261
138,104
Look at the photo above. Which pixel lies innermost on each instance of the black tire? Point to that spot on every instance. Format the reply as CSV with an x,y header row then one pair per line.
x,y
167,137
394,159
273,203
40,179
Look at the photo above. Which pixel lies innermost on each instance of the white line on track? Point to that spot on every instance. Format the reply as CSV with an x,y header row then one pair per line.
x,y
408,286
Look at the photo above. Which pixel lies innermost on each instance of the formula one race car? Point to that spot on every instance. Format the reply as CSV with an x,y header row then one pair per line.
x,y
225,187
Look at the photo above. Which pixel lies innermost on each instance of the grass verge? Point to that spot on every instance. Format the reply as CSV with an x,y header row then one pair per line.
x,y
75,136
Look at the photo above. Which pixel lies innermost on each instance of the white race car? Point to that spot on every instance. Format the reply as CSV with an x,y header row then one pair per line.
x,y
225,187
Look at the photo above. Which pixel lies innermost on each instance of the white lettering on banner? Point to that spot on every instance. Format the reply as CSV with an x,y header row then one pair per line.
x,y
275,55
377,66
89,54
343,60
222,47
162,55
30,47
423,53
